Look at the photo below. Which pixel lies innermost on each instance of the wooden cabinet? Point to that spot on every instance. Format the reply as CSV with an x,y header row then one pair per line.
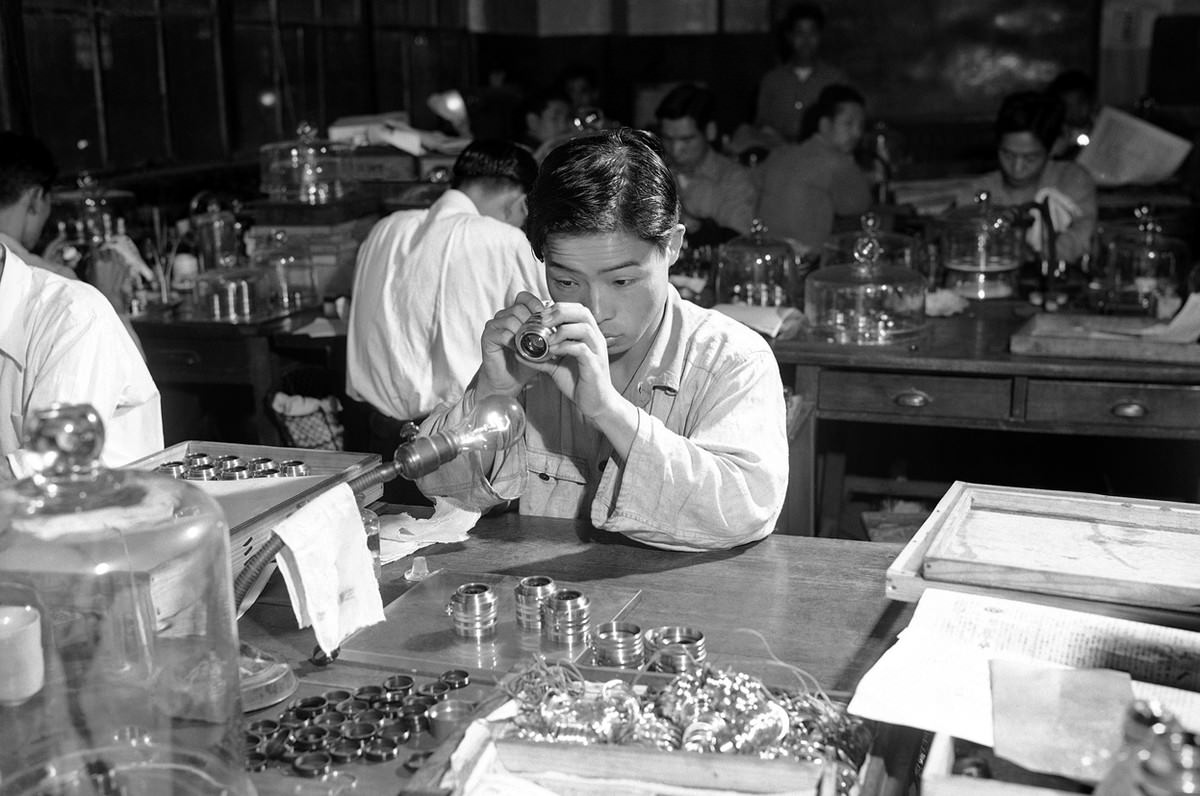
x,y
961,375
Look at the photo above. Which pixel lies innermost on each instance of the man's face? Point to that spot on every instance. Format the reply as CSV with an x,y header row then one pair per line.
x,y
685,143
844,130
619,277
805,38
553,121
1022,159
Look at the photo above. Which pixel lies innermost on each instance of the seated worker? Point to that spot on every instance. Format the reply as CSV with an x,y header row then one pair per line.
x,y
1027,126
60,339
546,118
424,283
653,417
787,91
716,194
803,187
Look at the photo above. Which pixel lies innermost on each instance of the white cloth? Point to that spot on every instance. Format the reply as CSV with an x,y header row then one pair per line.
x,y
1063,212
425,283
328,569
61,340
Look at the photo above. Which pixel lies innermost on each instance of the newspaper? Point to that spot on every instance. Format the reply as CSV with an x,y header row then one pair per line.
x,y
1126,150
937,676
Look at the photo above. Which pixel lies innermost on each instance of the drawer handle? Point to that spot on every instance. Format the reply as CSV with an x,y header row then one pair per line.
x,y
912,399
1130,409
175,357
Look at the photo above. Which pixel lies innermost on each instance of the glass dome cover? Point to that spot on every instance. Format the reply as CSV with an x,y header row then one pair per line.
x,y
982,246
116,627
307,170
1139,267
867,301
758,270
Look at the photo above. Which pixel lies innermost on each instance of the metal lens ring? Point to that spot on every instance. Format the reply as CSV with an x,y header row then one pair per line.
x,y
473,609
618,644
531,592
566,617
533,339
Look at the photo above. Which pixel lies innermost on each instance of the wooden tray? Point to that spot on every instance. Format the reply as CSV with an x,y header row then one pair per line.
x,y
1096,337
1119,556
250,528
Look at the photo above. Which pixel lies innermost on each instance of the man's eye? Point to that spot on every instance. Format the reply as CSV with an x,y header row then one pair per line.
x,y
565,283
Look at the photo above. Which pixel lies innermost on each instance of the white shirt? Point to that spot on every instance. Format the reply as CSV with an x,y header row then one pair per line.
x,y
425,283
60,340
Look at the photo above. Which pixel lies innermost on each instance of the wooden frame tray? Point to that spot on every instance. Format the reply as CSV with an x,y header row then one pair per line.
x,y
1124,557
251,524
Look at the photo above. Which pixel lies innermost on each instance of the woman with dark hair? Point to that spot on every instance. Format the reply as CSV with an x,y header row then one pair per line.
x,y
1027,126
651,416
805,186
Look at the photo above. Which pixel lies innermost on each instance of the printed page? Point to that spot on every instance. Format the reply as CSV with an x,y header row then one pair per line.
x,y
1127,150
937,676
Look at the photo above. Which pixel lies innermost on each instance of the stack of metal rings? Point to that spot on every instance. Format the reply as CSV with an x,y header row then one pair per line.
x,y
531,592
173,469
473,609
618,644
675,649
566,617
263,467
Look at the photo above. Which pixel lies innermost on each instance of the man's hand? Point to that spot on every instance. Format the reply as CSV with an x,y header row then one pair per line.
x,y
503,372
578,361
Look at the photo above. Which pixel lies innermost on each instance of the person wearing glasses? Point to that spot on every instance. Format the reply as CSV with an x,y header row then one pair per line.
x,y
1027,127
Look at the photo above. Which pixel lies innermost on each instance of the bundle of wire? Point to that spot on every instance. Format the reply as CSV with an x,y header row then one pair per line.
x,y
705,710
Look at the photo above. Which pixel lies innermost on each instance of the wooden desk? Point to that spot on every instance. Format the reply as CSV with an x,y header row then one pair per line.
x,y
188,356
960,374
819,602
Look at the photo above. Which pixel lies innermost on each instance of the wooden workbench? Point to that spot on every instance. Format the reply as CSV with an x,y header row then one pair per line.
x,y
960,375
819,602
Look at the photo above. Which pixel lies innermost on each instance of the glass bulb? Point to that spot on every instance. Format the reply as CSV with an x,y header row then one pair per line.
x,y
496,422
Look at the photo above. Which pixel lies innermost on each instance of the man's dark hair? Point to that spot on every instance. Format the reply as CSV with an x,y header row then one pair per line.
x,y
610,181
1033,112
828,103
25,162
495,163
688,100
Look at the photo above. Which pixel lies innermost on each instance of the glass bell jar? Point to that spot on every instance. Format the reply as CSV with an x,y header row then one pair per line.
x,y
218,232
292,273
758,270
307,170
1139,270
865,300
236,295
982,246
117,633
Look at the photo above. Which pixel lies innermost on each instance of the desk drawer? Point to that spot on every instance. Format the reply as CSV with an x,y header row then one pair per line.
x,y
1112,403
914,395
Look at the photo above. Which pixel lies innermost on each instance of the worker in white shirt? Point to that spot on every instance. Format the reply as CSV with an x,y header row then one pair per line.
x,y
60,339
425,283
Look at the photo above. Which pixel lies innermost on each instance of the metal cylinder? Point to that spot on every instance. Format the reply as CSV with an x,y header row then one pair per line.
x,y
173,469
293,467
531,592
675,649
618,644
473,609
566,617
234,473
260,463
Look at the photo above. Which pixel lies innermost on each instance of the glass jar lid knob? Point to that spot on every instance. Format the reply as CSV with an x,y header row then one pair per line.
x,y
69,436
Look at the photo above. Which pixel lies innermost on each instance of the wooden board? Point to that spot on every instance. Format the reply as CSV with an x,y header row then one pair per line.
x,y
1119,556
1096,337
744,774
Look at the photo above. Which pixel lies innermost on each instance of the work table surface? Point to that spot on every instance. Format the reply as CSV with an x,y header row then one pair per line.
x,y
820,603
